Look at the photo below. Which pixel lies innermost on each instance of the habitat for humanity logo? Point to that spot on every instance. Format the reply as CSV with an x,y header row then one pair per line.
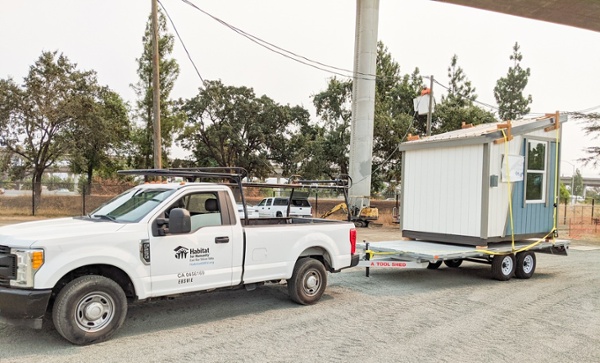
x,y
181,252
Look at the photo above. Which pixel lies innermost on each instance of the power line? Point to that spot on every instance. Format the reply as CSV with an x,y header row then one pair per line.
x,y
286,53
181,41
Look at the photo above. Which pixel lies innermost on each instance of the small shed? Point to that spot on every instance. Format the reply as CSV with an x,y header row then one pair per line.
x,y
463,186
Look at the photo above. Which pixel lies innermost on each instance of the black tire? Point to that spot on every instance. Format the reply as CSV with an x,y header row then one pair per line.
x,y
308,281
278,214
359,224
453,263
525,265
503,267
434,266
89,309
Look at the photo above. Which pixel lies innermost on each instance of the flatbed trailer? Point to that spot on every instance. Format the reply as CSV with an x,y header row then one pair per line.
x,y
507,260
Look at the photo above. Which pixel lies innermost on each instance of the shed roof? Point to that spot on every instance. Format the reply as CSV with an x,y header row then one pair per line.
x,y
479,134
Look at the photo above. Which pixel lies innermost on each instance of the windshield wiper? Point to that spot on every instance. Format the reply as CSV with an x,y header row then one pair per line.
x,y
105,216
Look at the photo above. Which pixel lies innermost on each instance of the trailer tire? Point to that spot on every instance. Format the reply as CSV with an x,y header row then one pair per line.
x,y
434,265
503,267
89,309
525,264
453,263
308,281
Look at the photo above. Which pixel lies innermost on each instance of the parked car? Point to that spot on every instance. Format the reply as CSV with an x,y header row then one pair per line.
x,y
278,206
252,211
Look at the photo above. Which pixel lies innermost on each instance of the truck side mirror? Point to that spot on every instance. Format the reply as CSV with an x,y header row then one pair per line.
x,y
179,221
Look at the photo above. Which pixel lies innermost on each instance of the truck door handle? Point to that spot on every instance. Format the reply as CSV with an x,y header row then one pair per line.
x,y
222,239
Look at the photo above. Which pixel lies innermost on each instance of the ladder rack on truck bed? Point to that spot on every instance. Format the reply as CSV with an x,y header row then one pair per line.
x,y
505,259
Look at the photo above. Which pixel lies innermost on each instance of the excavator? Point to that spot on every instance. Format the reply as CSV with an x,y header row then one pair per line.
x,y
361,218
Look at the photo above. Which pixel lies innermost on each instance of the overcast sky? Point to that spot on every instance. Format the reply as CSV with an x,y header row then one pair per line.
x,y
105,36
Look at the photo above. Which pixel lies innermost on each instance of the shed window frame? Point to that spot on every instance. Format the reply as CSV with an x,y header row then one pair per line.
x,y
534,170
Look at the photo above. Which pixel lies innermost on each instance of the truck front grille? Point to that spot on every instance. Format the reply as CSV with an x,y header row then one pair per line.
x,y
8,266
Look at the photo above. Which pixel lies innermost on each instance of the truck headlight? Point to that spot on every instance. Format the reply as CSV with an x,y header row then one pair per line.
x,y
28,263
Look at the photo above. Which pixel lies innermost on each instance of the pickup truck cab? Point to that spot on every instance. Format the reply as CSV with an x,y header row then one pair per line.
x,y
278,207
156,241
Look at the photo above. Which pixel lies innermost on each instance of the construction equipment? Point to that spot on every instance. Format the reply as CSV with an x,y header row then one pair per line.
x,y
361,218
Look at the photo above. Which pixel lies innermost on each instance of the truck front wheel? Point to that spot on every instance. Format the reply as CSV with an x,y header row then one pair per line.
x,y
89,309
308,281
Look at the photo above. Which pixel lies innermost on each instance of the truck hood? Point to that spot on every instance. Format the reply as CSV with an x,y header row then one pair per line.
x,y
24,235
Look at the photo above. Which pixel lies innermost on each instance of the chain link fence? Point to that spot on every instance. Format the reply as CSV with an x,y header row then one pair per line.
x,y
54,199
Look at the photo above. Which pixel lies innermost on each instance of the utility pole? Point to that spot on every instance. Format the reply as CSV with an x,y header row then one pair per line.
x,y
156,88
430,105
363,103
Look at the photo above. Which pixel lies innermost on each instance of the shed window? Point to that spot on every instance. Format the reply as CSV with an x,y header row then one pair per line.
x,y
536,172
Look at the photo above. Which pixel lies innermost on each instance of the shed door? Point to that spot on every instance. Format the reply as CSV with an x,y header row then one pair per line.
x,y
533,198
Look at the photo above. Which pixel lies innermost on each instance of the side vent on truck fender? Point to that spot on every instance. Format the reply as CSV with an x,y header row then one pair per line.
x,y
353,240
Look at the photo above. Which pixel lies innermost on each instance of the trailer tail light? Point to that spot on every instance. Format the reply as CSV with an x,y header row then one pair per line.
x,y
353,240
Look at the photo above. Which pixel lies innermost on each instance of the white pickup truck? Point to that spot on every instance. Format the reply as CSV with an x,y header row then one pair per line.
x,y
154,241
278,207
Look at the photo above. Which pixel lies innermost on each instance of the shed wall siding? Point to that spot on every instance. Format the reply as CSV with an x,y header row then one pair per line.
x,y
442,190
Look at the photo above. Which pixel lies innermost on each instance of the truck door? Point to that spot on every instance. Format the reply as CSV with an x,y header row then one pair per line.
x,y
264,208
201,259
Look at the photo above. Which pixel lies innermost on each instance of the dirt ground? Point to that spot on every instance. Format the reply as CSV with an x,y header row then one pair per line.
x,y
445,315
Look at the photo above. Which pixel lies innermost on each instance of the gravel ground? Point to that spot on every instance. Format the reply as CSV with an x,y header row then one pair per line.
x,y
445,315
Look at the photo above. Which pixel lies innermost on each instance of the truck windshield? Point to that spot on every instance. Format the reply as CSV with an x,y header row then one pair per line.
x,y
132,205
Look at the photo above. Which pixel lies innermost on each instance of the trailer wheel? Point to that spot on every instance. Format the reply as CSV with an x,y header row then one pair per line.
x,y
434,265
525,264
453,263
89,309
308,281
503,267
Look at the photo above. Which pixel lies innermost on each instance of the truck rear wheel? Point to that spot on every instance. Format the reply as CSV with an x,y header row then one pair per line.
x,y
89,309
434,265
525,265
453,263
308,281
503,267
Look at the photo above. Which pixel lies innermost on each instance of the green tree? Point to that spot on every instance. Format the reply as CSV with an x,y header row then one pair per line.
x,y
578,183
591,128
100,136
458,105
171,123
564,194
460,91
37,118
230,126
393,118
509,90
332,143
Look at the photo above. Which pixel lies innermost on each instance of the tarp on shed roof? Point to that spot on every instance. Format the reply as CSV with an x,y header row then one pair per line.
x,y
479,134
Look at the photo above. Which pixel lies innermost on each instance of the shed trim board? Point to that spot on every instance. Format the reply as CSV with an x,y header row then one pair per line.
x,y
478,134
443,178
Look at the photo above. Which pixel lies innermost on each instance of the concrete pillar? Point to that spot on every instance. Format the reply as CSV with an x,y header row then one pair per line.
x,y
363,101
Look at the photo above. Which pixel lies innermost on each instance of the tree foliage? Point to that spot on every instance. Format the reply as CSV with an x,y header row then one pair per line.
x,y
393,119
230,126
591,128
512,104
578,183
170,122
38,118
101,134
458,105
